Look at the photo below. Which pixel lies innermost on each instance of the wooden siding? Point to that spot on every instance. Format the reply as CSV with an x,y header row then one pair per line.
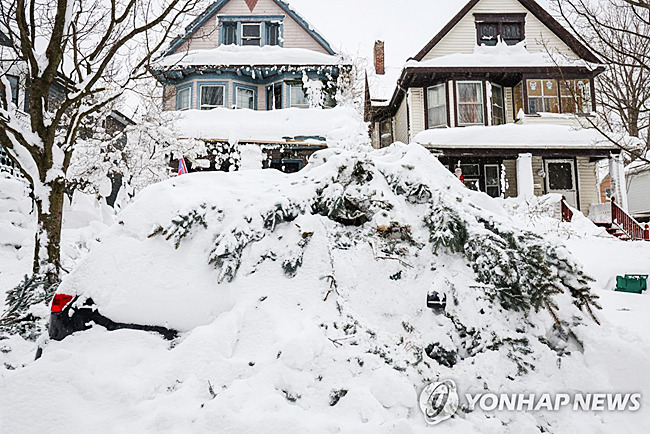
x,y
538,181
294,36
401,123
587,184
462,38
637,196
510,117
511,178
416,111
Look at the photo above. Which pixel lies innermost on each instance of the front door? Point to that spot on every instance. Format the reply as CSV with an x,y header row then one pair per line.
x,y
561,179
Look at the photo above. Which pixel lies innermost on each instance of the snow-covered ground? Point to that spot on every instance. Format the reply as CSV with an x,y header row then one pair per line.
x,y
324,327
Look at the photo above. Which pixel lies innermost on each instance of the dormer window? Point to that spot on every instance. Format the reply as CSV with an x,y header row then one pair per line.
x,y
510,28
255,31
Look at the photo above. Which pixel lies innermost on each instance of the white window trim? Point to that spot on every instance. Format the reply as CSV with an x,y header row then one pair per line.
x,y
485,179
250,38
237,89
291,103
444,124
201,96
458,103
189,98
503,100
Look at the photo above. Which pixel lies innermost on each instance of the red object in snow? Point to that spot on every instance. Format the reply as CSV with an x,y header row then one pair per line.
x,y
60,301
182,167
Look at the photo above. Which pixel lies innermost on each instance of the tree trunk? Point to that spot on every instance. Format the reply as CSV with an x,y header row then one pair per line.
x,y
47,248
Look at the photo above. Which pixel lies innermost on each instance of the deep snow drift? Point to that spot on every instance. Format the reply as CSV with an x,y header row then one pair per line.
x,y
302,302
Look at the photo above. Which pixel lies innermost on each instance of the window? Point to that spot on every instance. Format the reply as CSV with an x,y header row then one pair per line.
x,y
272,34
492,180
274,96
470,103
229,33
184,98
576,96
245,98
492,27
298,96
543,96
13,83
518,99
212,96
498,106
386,133
437,106
251,34
287,165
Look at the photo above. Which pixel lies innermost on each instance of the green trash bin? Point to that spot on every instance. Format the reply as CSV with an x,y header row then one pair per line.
x,y
634,283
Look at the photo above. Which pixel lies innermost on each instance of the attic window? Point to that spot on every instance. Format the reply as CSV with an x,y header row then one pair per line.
x,y
251,34
508,27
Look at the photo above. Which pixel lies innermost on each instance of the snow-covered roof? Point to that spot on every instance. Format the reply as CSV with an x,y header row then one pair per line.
x,y
382,86
515,136
315,126
501,56
233,55
639,165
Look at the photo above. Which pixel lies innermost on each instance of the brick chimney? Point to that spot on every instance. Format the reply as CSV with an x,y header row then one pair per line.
x,y
379,58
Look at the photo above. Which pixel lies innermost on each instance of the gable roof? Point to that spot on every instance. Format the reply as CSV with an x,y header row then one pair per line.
x,y
560,31
215,7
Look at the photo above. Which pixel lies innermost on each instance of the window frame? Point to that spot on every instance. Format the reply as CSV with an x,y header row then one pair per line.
x,y
251,38
482,102
383,143
543,97
302,86
580,100
445,117
212,84
16,81
179,90
237,88
503,104
499,20
485,179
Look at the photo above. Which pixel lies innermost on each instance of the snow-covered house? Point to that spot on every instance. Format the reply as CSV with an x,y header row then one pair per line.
x,y
638,189
261,58
500,92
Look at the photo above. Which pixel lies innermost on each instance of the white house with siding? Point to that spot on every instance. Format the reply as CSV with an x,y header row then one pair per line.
x,y
502,87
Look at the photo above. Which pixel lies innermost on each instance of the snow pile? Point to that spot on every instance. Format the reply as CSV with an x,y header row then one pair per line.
x,y
337,127
233,55
302,302
532,136
502,56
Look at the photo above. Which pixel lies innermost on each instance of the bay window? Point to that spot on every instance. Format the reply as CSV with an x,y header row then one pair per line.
x,y
184,98
245,98
437,106
211,96
298,96
470,106
543,96
576,96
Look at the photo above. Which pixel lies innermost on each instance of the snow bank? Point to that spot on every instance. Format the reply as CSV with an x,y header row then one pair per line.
x,y
320,322
232,55
533,136
339,126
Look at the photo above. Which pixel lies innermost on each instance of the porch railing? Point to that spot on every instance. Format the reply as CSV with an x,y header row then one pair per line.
x,y
628,224
567,214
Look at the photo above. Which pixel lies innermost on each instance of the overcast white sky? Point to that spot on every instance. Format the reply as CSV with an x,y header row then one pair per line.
x,y
405,25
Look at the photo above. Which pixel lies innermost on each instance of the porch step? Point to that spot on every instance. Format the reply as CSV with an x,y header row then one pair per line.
x,y
614,231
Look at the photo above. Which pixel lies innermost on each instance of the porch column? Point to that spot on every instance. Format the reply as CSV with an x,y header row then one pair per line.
x,y
617,178
525,182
